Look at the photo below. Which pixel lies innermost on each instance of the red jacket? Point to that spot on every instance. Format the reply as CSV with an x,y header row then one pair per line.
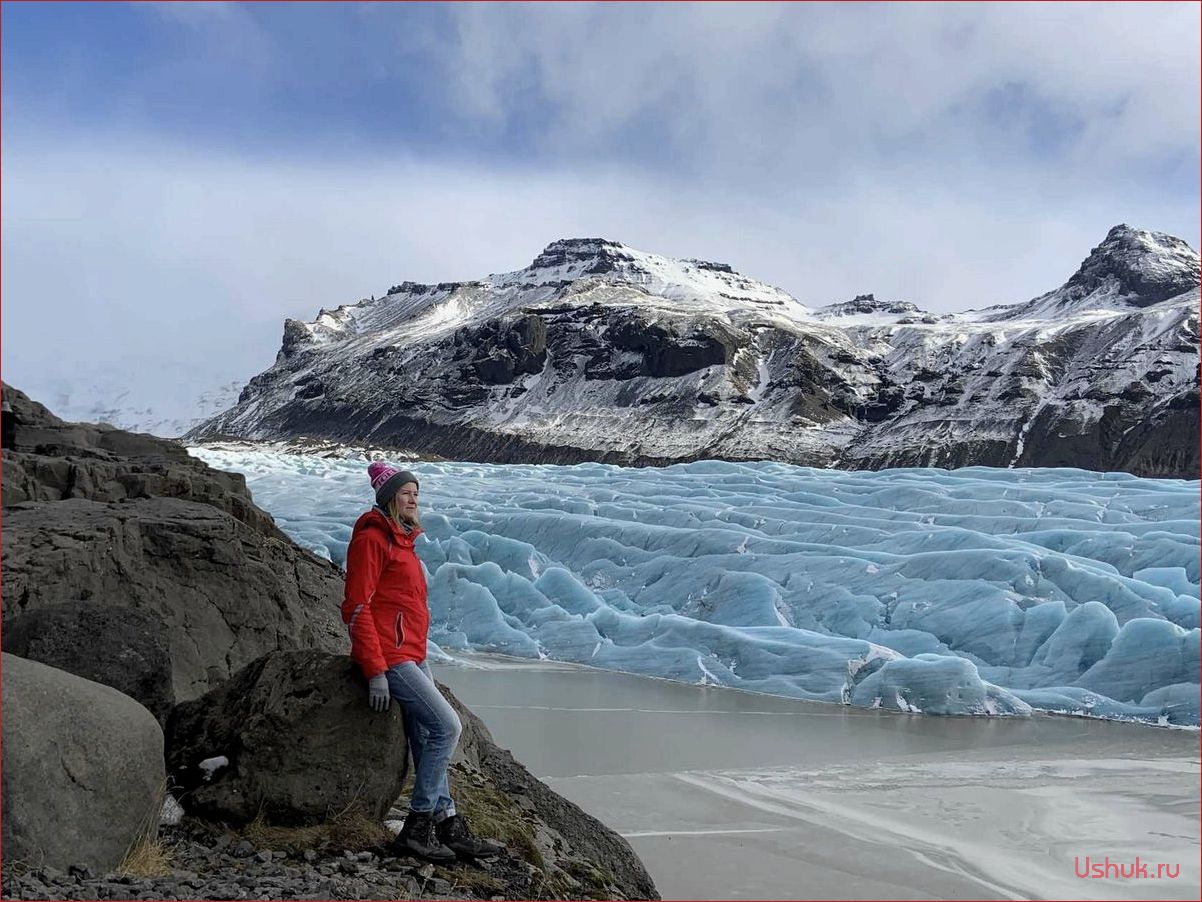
x,y
384,604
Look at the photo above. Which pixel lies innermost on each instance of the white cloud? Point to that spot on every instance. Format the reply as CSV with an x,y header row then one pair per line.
x,y
833,86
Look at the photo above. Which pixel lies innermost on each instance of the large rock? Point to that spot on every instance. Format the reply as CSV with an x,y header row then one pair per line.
x,y
82,772
221,593
97,518
301,742
53,460
115,645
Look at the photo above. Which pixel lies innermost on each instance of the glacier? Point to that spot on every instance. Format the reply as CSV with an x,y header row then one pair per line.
x,y
971,591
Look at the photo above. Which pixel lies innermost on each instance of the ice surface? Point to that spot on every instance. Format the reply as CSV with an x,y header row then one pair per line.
x,y
970,591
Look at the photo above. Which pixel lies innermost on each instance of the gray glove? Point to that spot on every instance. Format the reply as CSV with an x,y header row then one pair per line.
x,y
377,692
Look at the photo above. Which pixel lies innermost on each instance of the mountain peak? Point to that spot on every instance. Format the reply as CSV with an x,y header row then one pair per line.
x,y
1146,267
597,256
868,304
698,285
594,256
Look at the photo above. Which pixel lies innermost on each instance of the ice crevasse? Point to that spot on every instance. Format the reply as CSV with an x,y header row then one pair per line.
x,y
969,591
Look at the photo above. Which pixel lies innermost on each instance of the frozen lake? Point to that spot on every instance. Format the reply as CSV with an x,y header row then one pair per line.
x,y
735,795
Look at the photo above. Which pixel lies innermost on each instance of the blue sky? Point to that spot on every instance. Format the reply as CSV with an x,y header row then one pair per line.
x,y
304,79
203,167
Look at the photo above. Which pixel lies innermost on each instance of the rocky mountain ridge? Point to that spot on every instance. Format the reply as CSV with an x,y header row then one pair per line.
x,y
597,351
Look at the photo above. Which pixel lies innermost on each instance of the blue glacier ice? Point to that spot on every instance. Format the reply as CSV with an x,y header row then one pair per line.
x,y
970,591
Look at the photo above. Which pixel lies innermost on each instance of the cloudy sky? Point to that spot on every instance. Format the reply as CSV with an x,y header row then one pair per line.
x,y
177,179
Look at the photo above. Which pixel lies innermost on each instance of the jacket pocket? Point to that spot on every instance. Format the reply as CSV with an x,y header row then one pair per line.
x,y
398,628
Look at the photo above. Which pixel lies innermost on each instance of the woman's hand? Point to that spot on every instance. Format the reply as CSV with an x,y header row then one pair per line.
x,y
377,692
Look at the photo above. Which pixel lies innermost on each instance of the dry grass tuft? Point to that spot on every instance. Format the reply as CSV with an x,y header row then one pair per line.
x,y
351,829
148,857
469,880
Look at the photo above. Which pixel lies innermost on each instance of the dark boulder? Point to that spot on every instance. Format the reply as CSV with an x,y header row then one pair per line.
x,y
219,592
301,742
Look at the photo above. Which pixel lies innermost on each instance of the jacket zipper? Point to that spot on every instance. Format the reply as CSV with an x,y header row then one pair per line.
x,y
398,630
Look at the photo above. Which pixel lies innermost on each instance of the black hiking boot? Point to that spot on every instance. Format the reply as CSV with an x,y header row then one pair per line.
x,y
418,837
455,835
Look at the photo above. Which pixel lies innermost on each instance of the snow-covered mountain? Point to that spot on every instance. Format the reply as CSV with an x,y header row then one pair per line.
x,y
597,351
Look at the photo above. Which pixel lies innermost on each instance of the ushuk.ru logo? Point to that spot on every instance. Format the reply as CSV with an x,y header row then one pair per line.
x,y
1093,869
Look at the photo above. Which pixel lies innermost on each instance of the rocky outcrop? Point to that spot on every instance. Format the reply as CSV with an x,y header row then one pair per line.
x,y
155,540
52,460
499,352
600,352
868,304
82,771
1143,268
301,744
220,593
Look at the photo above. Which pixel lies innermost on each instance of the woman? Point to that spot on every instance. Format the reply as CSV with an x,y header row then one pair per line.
x,y
385,609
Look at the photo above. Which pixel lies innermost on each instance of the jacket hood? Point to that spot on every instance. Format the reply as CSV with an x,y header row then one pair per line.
x,y
377,519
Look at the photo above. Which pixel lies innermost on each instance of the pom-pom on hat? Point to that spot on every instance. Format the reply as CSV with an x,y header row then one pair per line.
x,y
387,480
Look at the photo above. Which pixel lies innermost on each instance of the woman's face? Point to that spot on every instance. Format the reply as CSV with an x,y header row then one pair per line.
x,y
406,501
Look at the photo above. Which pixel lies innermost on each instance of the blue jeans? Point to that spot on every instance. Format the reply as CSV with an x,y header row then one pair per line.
x,y
433,729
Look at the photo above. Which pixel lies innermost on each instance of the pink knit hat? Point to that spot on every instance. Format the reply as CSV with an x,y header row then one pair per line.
x,y
387,480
